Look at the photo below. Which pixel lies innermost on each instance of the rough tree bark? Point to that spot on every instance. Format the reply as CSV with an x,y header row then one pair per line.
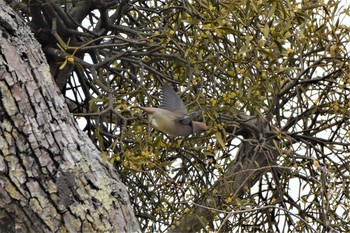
x,y
52,178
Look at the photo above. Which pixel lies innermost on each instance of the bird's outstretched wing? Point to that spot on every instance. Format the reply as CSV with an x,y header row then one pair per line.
x,y
172,102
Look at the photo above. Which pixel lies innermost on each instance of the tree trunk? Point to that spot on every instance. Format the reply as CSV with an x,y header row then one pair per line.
x,y
52,178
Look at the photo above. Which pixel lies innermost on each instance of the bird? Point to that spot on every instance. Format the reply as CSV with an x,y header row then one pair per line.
x,y
172,117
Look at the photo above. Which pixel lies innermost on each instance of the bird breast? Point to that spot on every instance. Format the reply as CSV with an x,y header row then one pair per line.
x,y
166,121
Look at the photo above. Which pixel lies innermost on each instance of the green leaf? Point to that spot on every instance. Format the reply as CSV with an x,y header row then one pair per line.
x,y
228,30
220,139
266,30
272,10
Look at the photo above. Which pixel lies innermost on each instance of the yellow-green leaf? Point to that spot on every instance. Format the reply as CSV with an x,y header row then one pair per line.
x,y
220,139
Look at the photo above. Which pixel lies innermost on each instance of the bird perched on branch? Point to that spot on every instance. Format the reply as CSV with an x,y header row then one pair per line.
x,y
172,117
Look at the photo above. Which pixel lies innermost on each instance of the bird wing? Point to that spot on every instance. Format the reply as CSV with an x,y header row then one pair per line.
x,y
172,102
188,118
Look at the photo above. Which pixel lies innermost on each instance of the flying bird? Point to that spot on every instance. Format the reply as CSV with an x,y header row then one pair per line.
x,y
172,117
